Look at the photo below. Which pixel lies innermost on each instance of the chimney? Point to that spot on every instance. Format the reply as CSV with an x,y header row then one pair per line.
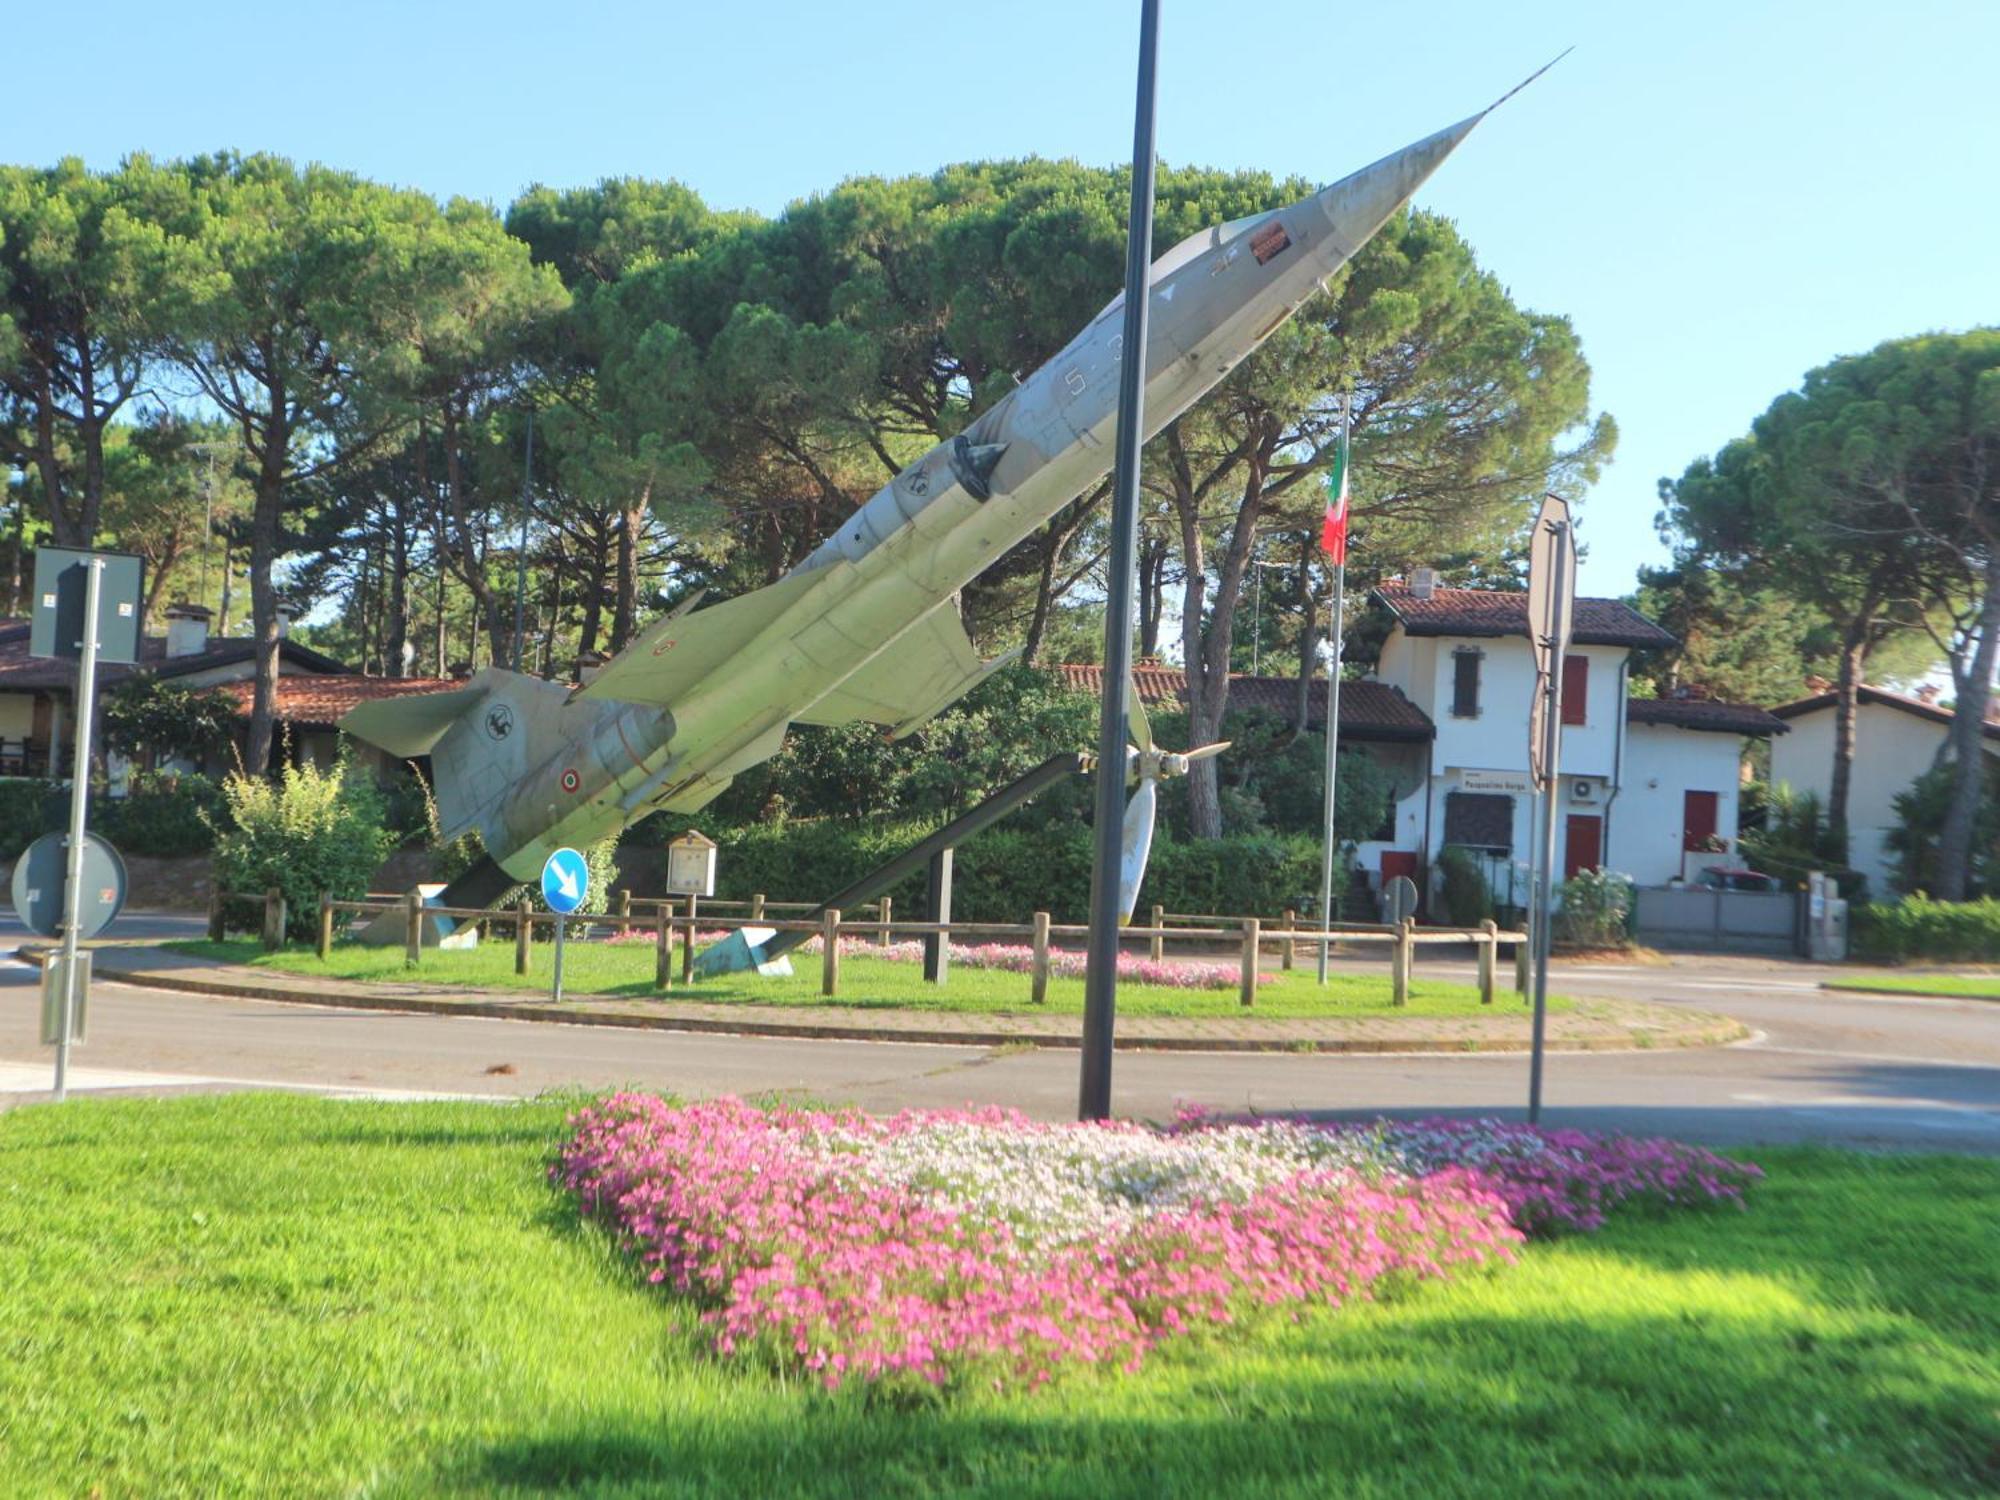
x,y
587,663
187,628
287,612
1423,583
1927,694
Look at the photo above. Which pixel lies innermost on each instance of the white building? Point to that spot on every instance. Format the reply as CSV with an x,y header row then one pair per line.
x,y
1647,787
1896,740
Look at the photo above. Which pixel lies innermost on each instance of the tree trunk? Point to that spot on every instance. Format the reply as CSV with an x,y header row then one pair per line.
x,y
1045,589
1968,733
1847,701
625,599
396,632
264,537
1152,593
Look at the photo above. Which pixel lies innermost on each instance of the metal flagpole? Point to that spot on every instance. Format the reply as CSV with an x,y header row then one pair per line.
x,y
1545,843
1333,701
79,800
1100,989
1332,764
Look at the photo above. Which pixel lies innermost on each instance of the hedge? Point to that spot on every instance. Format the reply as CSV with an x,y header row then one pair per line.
x,y
1005,874
1919,928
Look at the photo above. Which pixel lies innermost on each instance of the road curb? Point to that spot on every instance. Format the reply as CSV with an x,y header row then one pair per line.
x,y
1707,1035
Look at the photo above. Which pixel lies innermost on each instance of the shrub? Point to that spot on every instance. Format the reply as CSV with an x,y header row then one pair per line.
x,y
1467,899
145,715
1922,929
1920,818
1785,833
163,815
29,809
1596,907
307,832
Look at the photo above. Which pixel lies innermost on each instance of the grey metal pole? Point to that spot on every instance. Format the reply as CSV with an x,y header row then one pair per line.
x,y
555,993
521,550
1332,765
1546,843
79,802
1100,986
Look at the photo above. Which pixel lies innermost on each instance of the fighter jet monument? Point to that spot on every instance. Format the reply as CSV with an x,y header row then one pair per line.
x,y
865,629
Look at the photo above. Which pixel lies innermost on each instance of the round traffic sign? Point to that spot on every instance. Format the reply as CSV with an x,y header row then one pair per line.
x,y
1399,899
42,872
565,881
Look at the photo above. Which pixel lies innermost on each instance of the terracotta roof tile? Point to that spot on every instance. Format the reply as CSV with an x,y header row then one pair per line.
x,y
320,701
1882,696
1368,710
1497,612
1703,715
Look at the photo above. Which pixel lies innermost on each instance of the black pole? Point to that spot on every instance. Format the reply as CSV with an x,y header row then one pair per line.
x,y
1100,993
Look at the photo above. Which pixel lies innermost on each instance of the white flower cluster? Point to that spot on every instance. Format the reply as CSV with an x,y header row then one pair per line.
x,y
1055,1185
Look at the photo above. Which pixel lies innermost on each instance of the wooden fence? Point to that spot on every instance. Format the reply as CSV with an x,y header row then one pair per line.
x,y
679,917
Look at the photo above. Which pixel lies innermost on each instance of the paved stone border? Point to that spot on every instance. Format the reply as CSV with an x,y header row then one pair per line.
x,y
1592,1025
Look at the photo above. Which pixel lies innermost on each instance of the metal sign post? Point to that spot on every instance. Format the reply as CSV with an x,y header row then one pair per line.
x,y
1551,604
565,884
79,801
1100,985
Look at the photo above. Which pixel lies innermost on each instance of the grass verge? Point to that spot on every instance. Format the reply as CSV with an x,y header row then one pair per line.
x,y
625,971
1948,986
263,1294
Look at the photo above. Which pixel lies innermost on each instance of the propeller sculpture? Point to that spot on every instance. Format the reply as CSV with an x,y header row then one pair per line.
x,y
1151,764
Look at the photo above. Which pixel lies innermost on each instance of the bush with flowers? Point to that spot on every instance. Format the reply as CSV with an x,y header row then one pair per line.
x,y
952,1246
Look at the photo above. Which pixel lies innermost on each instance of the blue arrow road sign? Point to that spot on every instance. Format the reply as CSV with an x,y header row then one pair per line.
x,y
565,881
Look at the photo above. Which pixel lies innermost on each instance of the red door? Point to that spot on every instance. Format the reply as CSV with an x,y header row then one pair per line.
x,y
1583,844
1697,820
1398,862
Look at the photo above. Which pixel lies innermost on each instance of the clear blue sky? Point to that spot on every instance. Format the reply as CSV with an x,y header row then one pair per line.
x,y
1720,195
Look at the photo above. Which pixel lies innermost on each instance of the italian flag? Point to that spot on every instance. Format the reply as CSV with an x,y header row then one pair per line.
x,y
1333,529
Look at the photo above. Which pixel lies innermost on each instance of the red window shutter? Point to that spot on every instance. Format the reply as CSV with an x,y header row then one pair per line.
x,y
1576,689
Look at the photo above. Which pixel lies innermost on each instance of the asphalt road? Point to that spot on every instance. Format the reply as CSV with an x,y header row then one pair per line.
x,y
1821,1066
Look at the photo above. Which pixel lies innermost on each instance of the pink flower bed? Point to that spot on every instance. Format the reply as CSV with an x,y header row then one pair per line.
x,y
979,1245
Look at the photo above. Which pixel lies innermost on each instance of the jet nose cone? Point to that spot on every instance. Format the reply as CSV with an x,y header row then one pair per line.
x,y
1362,203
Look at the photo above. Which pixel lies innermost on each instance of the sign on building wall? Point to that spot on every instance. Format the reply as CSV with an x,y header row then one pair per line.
x,y
1471,780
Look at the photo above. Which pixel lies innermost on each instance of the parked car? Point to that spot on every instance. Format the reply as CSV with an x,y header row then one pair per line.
x,y
1735,878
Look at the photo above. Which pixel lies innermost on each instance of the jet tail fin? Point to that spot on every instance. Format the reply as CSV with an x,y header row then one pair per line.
x,y
410,725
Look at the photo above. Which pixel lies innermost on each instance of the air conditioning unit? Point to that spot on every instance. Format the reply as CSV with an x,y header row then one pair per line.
x,y
1583,791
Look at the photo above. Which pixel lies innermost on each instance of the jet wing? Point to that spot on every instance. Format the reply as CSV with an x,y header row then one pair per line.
x,y
673,654
924,671
412,725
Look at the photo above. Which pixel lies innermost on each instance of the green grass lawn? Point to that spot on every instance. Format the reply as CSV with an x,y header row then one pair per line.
x,y
1964,986
626,969
270,1295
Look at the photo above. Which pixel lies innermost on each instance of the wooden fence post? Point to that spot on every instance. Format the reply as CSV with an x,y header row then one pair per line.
x,y
1251,929
524,934
1288,954
888,916
1038,990
625,902
274,919
829,966
1158,948
1489,952
756,906
687,943
663,948
1521,960
1399,962
325,923
413,929
215,926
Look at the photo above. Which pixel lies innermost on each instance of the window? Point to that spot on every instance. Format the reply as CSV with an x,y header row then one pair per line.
x,y
1576,688
1465,683
1480,820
